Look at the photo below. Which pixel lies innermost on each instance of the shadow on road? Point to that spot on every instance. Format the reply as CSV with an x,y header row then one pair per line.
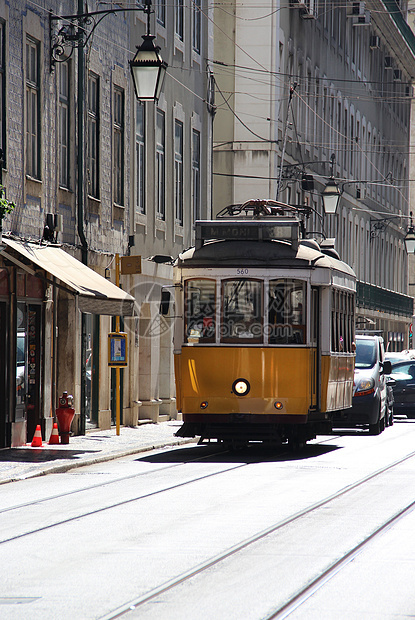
x,y
255,453
39,455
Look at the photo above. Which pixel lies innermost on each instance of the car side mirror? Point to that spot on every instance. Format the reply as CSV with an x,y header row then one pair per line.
x,y
165,302
387,367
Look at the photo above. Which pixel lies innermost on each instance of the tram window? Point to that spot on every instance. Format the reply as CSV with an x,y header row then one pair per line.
x,y
286,311
200,310
242,311
342,320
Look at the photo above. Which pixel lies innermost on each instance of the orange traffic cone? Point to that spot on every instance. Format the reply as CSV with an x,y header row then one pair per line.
x,y
54,437
37,438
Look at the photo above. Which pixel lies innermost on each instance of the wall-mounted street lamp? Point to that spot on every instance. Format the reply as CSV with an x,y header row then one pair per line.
x,y
332,191
379,225
148,69
410,239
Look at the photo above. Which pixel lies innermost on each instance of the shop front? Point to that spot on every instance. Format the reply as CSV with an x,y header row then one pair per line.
x,y
45,294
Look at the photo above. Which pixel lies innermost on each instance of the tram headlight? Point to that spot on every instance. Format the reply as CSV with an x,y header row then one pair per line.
x,y
204,404
240,387
278,405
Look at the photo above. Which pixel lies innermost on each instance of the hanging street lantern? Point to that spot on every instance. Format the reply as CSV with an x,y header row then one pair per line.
x,y
148,70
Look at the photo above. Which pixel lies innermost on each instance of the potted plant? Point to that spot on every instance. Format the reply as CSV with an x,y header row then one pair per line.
x,y
6,206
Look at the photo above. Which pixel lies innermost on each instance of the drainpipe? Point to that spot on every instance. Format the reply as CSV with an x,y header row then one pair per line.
x,y
81,194
81,86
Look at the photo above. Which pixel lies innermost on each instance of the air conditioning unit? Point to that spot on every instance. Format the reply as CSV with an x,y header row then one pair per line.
x,y
397,75
374,42
388,62
361,20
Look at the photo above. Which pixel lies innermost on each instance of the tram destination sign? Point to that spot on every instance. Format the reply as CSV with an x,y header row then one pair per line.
x,y
286,229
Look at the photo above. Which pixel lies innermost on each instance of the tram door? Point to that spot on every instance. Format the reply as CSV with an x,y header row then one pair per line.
x,y
316,349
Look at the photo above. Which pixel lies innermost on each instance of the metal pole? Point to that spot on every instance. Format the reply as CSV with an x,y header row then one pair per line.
x,y
84,245
1,183
279,182
117,370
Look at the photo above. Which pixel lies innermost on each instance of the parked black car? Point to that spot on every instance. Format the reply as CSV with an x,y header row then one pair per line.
x,y
403,385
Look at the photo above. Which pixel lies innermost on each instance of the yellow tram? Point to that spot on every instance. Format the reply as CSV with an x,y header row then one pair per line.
x,y
264,328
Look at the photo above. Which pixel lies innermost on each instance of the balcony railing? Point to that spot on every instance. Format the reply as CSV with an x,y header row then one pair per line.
x,y
377,298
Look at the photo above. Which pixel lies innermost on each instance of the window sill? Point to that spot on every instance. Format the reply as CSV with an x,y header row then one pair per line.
x,y
33,179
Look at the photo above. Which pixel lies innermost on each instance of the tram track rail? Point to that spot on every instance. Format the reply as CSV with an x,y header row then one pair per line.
x,y
178,485
132,477
99,485
303,594
316,584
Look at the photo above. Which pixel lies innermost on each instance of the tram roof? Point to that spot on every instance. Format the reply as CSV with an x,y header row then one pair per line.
x,y
269,253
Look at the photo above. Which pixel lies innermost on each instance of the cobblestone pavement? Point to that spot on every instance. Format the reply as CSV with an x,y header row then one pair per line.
x,y
94,447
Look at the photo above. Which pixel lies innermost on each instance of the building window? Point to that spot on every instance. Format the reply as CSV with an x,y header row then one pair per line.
x,y
64,76
32,109
93,135
197,25
119,146
178,171
178,18
196,174
161,164
2,93
140,157
161,12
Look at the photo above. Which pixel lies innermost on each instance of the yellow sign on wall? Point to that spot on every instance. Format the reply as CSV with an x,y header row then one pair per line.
x,y
130,264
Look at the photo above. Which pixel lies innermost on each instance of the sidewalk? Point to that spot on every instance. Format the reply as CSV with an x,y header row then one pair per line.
x,y
94,447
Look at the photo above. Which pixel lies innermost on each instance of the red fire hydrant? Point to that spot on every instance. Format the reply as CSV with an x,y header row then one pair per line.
x,y
65,414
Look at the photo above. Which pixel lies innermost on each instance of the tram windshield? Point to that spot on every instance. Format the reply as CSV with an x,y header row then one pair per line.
x,y
286,311
200,304
242,311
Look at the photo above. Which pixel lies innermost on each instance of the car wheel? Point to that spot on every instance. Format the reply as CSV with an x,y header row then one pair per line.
x,y
377,427
374,429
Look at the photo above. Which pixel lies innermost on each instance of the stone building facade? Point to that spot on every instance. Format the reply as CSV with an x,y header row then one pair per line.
x,y
114,177
322,88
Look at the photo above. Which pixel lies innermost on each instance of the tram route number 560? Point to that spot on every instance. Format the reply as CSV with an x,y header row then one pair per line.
x,y
242,271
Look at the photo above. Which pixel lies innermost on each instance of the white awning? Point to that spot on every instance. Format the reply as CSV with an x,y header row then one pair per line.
x,y
96,295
